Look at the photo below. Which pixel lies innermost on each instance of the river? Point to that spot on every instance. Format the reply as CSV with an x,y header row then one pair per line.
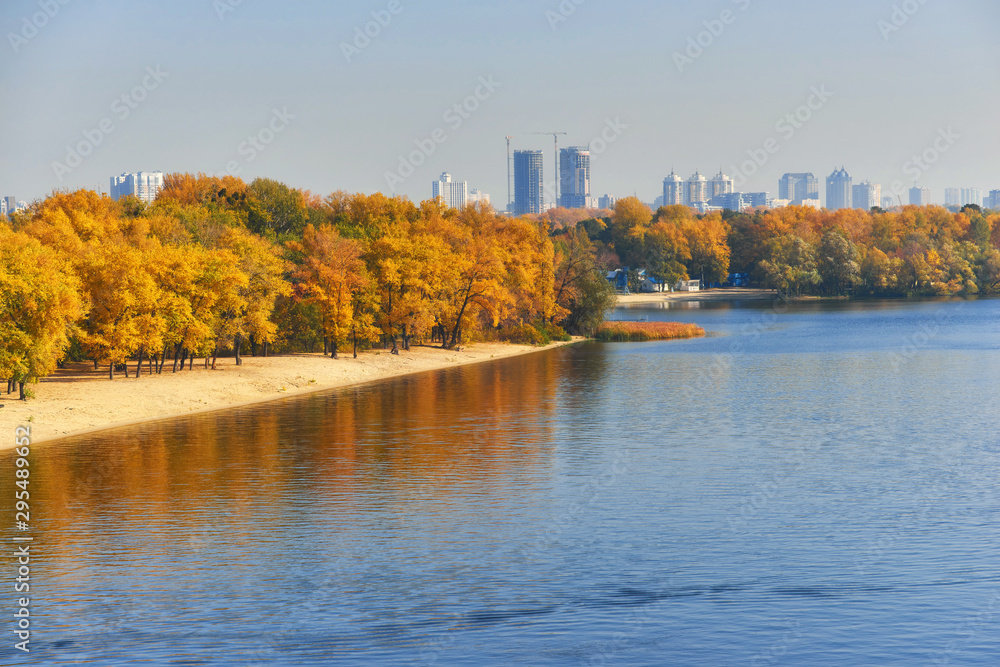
x,y
810,484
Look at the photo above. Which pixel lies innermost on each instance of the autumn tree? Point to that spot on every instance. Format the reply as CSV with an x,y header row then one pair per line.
x,y
39,306
629,224
707,241
475,283
282,211
838,265
790,266
259,260
331,274
667,252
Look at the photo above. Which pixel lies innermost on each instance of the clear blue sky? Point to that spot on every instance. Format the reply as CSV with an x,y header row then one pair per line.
x,y
892,92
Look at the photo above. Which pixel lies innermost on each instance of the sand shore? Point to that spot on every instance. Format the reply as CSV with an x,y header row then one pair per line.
x,y
78,399
725,294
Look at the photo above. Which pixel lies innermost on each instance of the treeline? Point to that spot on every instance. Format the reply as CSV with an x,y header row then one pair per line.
x,y
216,266
912,251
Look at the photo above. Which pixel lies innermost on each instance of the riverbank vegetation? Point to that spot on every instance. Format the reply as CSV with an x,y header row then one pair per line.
x,y
909,251
216,266
640,332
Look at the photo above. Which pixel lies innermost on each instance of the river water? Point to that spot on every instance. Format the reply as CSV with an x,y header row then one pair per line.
x,y
810,484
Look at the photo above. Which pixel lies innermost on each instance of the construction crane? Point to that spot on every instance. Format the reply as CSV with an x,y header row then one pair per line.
x,y
509,137
555,138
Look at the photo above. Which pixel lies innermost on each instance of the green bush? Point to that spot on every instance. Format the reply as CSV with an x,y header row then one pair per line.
x,y
523,334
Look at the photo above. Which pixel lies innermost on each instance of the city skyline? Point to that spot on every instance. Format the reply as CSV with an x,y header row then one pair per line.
x,y
188,99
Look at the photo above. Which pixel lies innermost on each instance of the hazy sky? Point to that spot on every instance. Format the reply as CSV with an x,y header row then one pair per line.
x,y
200,77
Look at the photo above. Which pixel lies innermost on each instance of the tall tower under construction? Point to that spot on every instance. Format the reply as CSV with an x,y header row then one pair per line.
x,y
529,185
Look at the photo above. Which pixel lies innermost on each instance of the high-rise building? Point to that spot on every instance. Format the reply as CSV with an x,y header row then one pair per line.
x,y
143,185
478,197
888,201
574,177
755,199
798,187
673,190
696,190
972,196
8,205
607,201
993,201
454,194
920,196
529,184
839,190
964,196
720,185
731,201
866,195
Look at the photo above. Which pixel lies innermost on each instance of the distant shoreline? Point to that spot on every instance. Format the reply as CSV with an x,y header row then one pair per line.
x,y
722,294
79,400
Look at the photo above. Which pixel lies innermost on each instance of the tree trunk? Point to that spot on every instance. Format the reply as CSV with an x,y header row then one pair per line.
x,y
20,385
191,362
354,335
395,345
458,322
177,356
163,360
326,346
206,362
253,346
95,364
111,371
138,366
265,349
125,367
239,344
333,347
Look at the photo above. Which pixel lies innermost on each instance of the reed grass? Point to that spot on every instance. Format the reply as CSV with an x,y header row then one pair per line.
x,y
638,332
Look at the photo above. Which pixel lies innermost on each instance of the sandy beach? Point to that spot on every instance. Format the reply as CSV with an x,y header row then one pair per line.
x,y
78,399
706,295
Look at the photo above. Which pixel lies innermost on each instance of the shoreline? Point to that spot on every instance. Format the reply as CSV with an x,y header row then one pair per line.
x,y
78,400
718,294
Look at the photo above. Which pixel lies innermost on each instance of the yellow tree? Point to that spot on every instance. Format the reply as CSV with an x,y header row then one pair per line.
x,y
475,284
259,260
628,229
708,244
331,274
667,252
39,306
188,293
123,300
530,267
